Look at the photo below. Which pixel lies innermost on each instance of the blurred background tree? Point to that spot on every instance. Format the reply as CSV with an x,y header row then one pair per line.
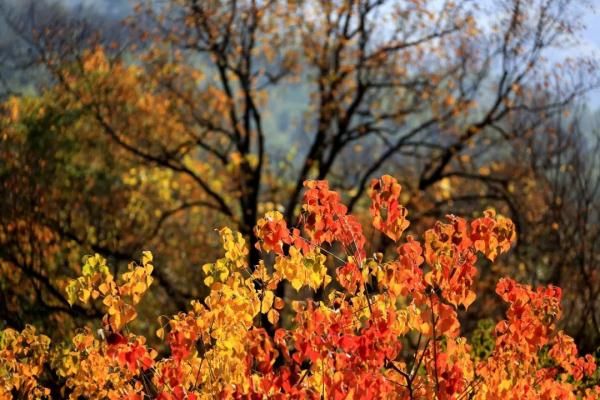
x,y
148,126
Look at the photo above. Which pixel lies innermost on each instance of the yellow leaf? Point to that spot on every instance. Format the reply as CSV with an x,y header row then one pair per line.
x,y
84,295
267,301
506,384
104,288
147,257
296,284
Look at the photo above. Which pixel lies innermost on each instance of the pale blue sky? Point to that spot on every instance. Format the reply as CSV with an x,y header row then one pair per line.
x,y
591,43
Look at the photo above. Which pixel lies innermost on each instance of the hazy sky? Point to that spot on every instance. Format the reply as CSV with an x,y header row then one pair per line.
x,y
590,41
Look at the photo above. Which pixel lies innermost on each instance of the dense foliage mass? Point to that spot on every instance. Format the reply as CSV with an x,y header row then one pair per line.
x,y
387,326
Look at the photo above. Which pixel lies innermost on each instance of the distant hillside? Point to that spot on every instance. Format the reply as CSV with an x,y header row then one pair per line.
x,y
109,8
18,18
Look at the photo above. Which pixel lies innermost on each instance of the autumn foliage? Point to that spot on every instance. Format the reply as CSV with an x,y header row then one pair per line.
x,y
387,328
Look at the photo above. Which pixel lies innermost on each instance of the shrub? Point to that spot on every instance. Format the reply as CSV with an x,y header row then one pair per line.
x,y
384,329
